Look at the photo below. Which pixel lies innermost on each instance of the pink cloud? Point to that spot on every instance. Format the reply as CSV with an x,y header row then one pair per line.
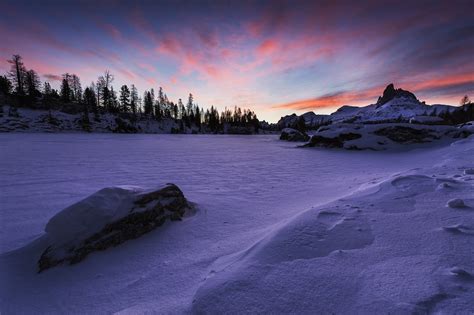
x,y
268,46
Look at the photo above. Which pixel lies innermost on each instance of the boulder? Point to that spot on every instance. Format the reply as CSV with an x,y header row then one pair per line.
x,y
108,218
290,134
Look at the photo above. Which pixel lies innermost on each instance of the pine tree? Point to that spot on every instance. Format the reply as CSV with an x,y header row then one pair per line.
x,y
160,104
148,103
175,111
5,85
89,102
103,85
32,83
197,117
134,100
47,89
182,110
189,105
113,102
124,98
65,88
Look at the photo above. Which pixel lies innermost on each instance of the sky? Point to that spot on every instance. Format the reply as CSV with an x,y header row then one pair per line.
x,y
275,57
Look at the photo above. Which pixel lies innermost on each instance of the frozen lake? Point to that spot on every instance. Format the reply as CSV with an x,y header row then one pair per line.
x,y
43,173
244,186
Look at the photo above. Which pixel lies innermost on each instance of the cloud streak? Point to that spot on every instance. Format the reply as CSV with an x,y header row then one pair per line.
x,y
299,56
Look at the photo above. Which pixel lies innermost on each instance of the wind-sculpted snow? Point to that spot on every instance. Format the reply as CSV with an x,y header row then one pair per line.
x,y
279,229
384,249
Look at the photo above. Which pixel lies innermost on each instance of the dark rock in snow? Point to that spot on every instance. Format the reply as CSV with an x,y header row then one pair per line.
x,y
390,93
334,142
290,134
402,134
132,214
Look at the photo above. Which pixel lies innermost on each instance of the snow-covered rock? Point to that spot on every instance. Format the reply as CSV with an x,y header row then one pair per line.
x,y
354,136
290,134
108,218
309,119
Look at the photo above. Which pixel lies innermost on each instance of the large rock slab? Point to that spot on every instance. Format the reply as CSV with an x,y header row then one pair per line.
x,y
108,218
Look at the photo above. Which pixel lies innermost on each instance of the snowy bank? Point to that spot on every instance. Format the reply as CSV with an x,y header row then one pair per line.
x,y
108,218
29,120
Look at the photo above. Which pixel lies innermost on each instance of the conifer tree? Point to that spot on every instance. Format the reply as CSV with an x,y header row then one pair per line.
x,y
65,88
124,98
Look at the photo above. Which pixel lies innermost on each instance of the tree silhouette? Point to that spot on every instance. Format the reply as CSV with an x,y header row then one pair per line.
x,y
100,97
65,88
17,73
465,100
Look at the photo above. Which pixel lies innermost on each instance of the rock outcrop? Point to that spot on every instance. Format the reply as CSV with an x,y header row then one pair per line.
x,y
390,93
107,219
290,134
387,136
308,120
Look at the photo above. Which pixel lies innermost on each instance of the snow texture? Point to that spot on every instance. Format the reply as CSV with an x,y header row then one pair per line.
x,y
309,231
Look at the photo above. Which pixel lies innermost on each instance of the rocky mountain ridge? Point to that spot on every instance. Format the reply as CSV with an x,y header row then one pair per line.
x,y
394,105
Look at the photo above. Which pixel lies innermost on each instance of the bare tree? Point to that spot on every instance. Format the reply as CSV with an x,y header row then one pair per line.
x,y
76,89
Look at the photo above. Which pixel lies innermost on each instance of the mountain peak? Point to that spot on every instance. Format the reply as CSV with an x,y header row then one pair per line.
x,y
390,93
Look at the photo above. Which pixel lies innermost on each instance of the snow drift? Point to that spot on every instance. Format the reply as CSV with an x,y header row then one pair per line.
x,y
391,247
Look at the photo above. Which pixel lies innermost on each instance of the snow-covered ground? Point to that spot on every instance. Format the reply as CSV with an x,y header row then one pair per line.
x,y
30,120
278,229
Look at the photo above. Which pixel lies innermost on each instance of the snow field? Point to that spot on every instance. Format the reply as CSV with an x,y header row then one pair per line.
x,y
278,229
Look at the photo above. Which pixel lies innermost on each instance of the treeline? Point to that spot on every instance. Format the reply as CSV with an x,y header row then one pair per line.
x,y
23,88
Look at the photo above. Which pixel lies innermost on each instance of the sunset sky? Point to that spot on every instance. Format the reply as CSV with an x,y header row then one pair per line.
x,y
274,57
